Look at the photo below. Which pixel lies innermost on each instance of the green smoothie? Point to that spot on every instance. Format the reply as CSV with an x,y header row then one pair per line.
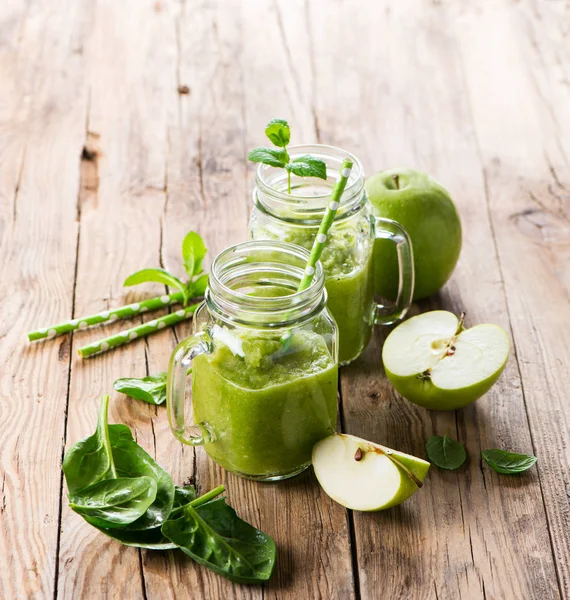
x,y
267,409
346,261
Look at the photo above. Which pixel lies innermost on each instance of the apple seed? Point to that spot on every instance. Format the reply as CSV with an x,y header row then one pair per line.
x,y
358,455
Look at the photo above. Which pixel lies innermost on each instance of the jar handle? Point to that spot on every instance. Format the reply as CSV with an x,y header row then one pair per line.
x,y
178,370
391,230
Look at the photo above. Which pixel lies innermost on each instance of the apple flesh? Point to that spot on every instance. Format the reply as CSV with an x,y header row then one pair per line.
x,y
365,476
424,207
436,363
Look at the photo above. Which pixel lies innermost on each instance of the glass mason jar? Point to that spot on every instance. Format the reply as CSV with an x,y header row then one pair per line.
x,y
347,256
264,364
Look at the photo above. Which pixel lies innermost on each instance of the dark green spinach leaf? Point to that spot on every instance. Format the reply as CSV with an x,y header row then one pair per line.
x,y
151,389
445,452
508,463
153,539
114,502
90,460
214,536
111,452
132,461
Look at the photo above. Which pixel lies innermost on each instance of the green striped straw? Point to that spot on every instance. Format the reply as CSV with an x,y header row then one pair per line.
x,y
106,316
320,240
328,218
124,337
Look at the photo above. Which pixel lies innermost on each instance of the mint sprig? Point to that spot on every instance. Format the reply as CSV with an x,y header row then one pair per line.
x,y
193,252
279,134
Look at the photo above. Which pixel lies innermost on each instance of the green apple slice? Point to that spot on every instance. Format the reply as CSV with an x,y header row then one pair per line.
x,y
365,476
436,363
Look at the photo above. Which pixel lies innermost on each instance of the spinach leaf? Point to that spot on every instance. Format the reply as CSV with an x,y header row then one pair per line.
x,y
508,463
153,539
151,389
150,539
183,495
193,252
214,536
90,460
445,452
132,461
112,452
114,502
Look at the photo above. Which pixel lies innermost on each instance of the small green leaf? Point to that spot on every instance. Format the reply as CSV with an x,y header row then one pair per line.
x,y
151,389
268,156
193,252
115,502
445,452
509,463
278,132
308,166
198,286
156,276
215,537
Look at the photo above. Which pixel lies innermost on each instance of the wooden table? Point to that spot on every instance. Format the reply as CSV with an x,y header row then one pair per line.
x,y
106,160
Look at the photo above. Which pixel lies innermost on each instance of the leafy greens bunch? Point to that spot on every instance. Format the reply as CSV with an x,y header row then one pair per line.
x,y
119,489
193,253
279,133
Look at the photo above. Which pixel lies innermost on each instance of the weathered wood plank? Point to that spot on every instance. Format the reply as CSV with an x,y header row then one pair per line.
x,y
121,202
524,156
468,534
42,110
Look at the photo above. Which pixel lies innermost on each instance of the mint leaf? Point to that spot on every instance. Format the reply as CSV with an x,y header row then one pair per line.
x,y
156,276
308,166
268,156
445,452
278,132
508,463
193,252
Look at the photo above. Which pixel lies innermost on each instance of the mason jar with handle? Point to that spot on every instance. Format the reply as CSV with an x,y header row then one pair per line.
x,y
348,254
263,363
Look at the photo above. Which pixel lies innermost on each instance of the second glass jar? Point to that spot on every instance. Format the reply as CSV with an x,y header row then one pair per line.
x,y
347,257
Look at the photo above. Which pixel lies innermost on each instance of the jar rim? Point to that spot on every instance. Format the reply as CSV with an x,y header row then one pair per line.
x,y
283,200
244,260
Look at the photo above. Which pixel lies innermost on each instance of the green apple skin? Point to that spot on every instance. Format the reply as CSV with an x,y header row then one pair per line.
x,y
425,393
417,466
408,487
426,211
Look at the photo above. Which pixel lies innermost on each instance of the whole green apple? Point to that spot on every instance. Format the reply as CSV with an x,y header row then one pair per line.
x,y
425,209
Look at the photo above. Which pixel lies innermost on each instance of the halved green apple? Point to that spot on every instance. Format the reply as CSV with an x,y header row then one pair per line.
x,y
436,363
362,475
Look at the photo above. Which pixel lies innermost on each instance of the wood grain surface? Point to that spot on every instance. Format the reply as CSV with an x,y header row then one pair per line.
x,y
125,124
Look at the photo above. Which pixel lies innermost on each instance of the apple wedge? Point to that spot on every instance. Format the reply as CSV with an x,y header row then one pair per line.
x,y
436,363
365,476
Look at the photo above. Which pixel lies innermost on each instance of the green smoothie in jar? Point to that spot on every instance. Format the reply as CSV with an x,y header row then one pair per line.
x,y
347,258
263,362
268,410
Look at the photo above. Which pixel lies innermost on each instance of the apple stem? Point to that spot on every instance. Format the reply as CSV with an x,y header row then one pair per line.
x,y
358,455
396,179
